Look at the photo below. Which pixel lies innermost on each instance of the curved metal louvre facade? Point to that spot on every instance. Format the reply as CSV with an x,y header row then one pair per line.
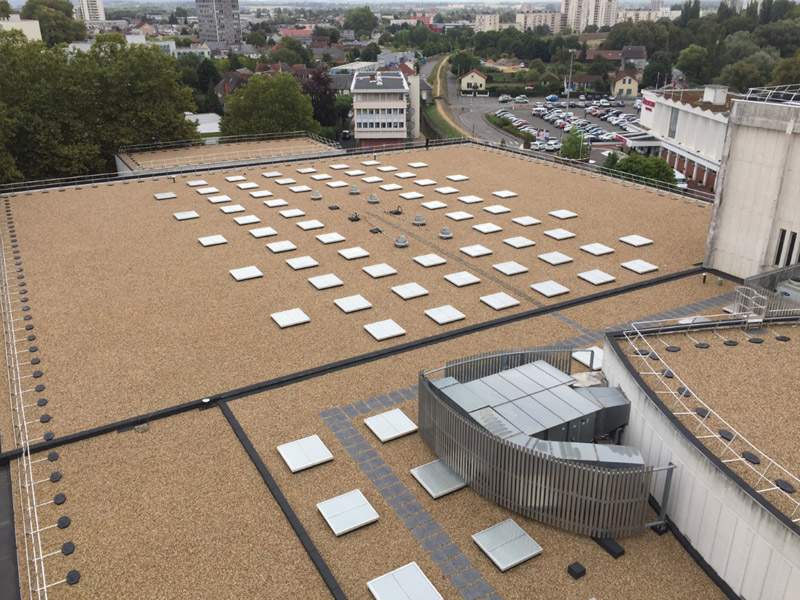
x,y
584,499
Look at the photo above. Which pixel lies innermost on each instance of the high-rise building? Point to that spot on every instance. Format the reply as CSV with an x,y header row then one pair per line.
x,y
90,10
578,14
219,22
487,22
533,19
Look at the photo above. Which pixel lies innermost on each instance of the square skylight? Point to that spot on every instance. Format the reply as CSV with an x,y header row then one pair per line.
x,y
411,196
262,232
504,194
459,215
372,179
271,174
249,185
164,195
353,253
350,304
636,240
321,177
424,182
519,241
639,266
555,258
340,167
330,238
299,189
285,181
429,260
499,301
525,221
304,453
462,278
497,209
387,169
510,267
559,234
409,291
443,315
301,262
549,288
281,246
275,203
233,208
447,190
487,228
261,194
324,282
247,220
405,174
507,544
384,330
355,172
438,479
470,199
291,213
390,425
186,215
370,163
235,178
434,204
310,225
596,277
207,190
347,512
391,187
563,214
457,177
290,318
379,270
245,273
219,199
196,182
417,165
212,240
597,249
306,170
475,250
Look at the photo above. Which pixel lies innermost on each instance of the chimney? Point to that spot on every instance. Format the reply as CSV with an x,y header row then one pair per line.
x,y
715,94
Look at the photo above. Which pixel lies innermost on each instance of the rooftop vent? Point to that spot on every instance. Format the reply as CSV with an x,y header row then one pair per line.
x,y
715,94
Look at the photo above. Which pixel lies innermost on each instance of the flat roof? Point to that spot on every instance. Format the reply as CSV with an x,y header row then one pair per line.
x,y
132,314
380,81
207,154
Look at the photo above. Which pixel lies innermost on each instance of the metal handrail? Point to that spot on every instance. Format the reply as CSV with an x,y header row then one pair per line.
x,y
637,336
225,139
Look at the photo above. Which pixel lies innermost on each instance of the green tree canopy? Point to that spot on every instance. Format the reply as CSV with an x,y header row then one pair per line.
x,y
693,61
463,62
651,167
783,35
267,105
573,146
5,9
658,70
370,52
55,20
318,87
787,71
361,20
753,71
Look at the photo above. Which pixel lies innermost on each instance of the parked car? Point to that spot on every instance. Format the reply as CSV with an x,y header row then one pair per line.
x,y
505,98
551,98
521,99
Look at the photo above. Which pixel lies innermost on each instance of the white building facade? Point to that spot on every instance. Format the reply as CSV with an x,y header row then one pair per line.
x,y
533,19
219,21
484,22
380,106
90,10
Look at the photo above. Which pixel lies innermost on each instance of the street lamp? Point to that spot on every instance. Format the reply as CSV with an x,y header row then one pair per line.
x,y
569,85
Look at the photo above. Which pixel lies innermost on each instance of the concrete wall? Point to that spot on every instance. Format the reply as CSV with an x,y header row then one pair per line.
x,y
758,192
748,547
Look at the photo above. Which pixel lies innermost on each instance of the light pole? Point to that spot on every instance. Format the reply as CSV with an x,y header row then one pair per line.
x,y
569,86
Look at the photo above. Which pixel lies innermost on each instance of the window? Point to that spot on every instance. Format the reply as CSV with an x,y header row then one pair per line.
x,y
790,251
673,122
779,251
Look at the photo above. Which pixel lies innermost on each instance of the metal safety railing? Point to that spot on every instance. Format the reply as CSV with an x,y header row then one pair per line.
x,y
34,570
225,139
778,94
680,399
585,499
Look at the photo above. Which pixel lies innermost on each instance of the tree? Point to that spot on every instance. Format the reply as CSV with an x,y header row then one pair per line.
x,y
783,35
463,62
5,9
787,71
693,61
753,71
207,75
55,20
361,20
268,105
649,167
739,45
370,52
318,87
8,166
257,38
573,146
658,70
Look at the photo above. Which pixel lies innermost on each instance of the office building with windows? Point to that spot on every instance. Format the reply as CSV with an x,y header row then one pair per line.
x,y
380,106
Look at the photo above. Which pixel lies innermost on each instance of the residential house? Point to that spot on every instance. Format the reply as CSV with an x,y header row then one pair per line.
x,y
624,84
636,55
232,81
472,82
